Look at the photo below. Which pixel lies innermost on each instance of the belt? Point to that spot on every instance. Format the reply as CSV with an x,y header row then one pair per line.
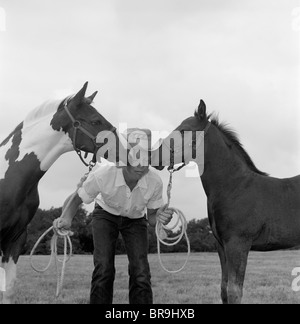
x,y
100,208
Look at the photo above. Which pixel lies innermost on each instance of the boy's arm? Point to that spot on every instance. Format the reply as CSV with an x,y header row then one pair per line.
x,y
79,197
152,217
70,208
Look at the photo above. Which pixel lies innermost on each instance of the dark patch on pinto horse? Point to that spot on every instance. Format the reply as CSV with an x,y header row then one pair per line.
x,y
49,131
19,198
15,188
13,153
56,122
16,131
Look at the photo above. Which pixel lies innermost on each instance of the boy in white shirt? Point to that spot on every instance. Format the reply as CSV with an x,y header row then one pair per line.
x,y
122,195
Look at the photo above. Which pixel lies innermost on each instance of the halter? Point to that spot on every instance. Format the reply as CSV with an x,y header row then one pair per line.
x,y
77,126
171,167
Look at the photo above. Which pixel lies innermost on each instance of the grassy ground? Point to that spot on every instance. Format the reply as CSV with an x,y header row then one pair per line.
x,y
268,280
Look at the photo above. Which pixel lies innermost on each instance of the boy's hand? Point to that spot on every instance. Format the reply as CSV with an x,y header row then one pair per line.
x,y
64,224
164,215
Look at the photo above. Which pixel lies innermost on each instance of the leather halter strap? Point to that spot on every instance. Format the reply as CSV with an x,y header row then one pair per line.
x,y
78,126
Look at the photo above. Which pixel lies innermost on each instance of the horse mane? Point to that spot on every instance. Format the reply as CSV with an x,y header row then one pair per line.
x,y
43,110
38,113
233,138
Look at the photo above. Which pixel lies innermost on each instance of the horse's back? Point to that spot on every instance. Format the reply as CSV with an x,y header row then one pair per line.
x,y
294,180
279,210
291,187
280,195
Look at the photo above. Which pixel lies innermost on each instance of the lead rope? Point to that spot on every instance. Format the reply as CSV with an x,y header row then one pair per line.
x,y
161,229
57,234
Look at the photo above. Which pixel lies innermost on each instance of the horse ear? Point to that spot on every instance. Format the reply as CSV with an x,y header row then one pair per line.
x,y
79,97
90,99
202,110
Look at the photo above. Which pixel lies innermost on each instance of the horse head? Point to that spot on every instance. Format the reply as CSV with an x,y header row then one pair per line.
x,y
182,144
84,123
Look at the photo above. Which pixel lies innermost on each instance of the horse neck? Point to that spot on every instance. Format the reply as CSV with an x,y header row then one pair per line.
x,y
46,143
223,166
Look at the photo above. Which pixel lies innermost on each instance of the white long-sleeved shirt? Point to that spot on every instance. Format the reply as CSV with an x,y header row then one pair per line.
x,y
107,187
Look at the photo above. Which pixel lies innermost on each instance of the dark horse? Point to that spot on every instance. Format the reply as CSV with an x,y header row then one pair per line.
x,y
52,129
247,209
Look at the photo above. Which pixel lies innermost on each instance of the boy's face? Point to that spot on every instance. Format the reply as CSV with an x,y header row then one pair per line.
x,y
136,173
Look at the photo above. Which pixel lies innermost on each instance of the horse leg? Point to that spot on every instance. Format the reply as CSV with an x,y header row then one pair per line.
x,y
11,274
224,283
2,280
236,252
9,264
14,249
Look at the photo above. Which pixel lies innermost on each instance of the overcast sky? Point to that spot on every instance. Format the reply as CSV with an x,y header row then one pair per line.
x,y
152,62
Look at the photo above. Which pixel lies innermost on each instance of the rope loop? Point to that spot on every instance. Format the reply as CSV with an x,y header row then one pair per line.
x,y
57,234
161,230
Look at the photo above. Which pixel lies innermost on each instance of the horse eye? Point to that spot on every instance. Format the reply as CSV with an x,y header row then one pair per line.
x,y
96,123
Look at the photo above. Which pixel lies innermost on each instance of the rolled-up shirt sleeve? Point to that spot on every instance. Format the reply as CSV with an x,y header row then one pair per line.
x,y
90,189
157,199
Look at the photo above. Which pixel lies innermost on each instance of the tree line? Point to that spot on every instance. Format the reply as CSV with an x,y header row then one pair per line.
x,y
198,231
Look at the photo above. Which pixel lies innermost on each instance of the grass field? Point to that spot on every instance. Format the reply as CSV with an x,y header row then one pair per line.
x,y
268,280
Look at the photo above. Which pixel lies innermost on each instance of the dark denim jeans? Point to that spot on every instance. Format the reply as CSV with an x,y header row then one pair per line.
x,y
106,229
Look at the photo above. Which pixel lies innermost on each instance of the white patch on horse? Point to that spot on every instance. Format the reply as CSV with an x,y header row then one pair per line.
x,y
2,280
11,277
4,164
40,138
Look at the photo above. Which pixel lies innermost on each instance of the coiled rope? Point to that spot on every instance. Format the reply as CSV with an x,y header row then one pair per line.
x,y
57,234
66,236
161,230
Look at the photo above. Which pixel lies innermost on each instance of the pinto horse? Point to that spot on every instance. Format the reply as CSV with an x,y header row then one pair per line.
x,y
52,129
247,209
